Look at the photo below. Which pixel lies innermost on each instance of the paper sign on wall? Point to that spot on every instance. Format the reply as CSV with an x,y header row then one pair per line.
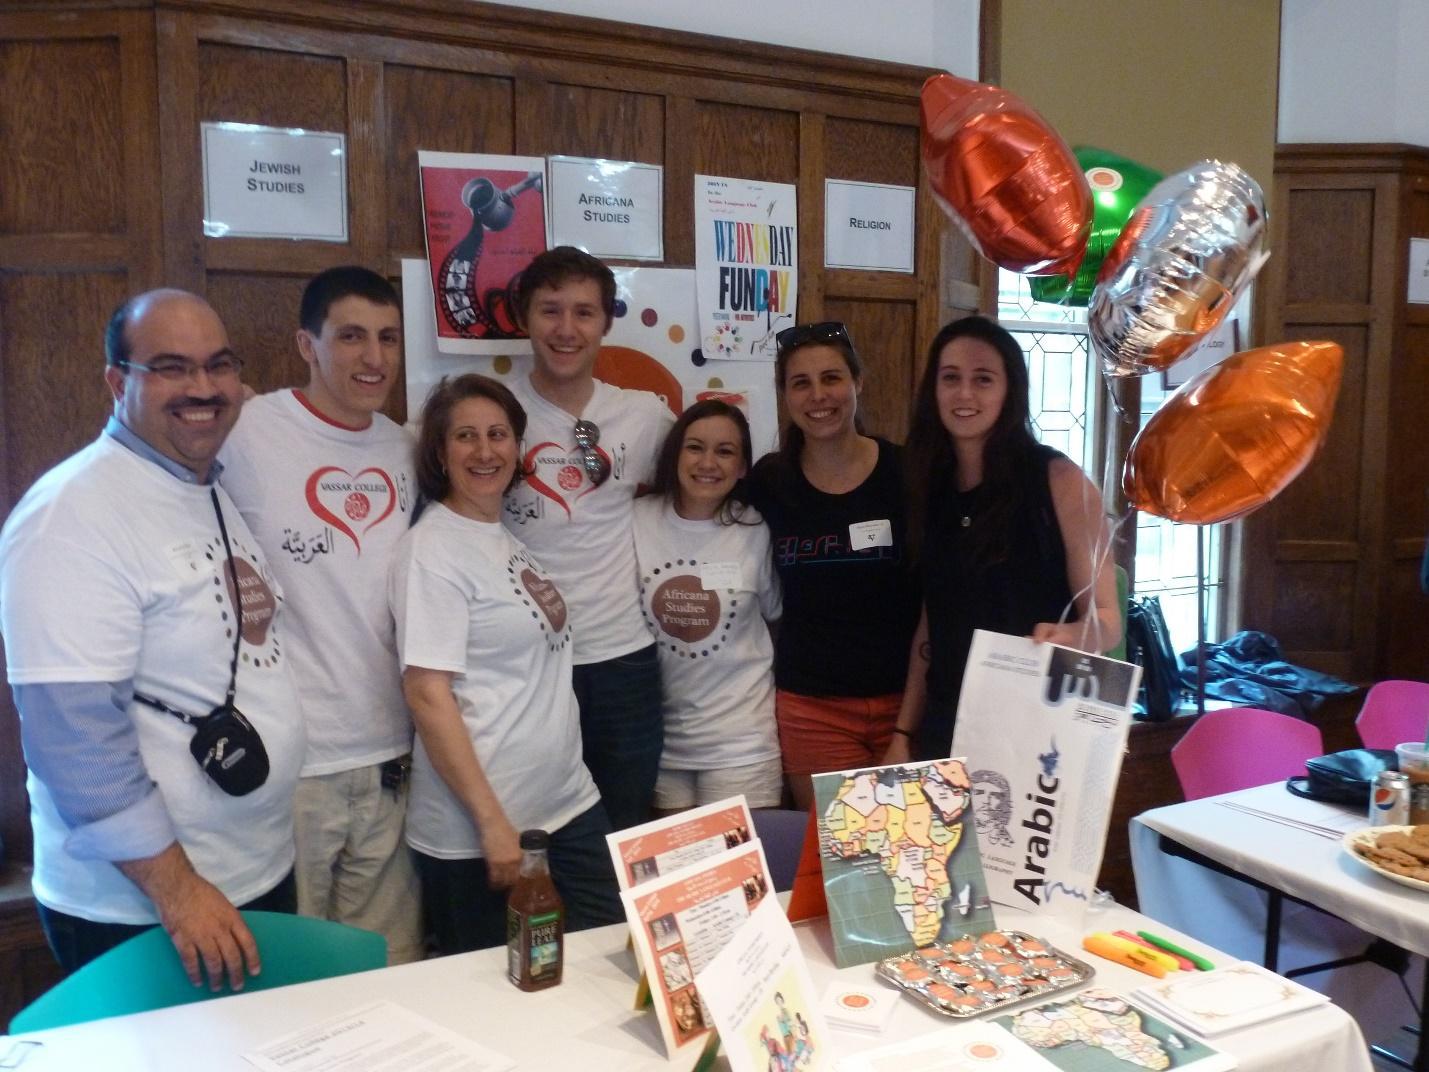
x,y
609,208
268,182
1419,270
485,219
746,265
868,225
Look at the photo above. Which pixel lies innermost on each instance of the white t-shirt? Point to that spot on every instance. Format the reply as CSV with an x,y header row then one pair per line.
x,y
706,590
328,505
582,532
111,568
470,599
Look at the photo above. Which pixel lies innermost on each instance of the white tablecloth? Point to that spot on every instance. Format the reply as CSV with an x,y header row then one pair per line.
x,y
1231,914
587,1022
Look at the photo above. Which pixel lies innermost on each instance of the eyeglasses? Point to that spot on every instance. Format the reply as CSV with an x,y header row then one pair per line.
x,y
801,334
595,464
177,370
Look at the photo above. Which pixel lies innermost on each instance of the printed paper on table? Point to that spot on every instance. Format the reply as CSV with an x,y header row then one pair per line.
x,y
663,846
746,265
975,1046
1043,729
485,219
681,921
900,862
1227,999
609,208
762,998
1099,1031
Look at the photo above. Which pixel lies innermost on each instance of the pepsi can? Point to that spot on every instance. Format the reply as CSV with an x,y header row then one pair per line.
x,y
1389,800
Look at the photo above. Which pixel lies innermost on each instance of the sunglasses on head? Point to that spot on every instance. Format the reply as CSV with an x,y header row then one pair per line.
x,y
595,464
802,334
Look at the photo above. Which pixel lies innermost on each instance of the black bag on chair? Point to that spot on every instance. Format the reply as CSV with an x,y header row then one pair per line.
x,y
1148,644
1343,777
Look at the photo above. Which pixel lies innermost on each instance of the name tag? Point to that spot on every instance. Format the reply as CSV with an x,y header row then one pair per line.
x,y
184,557
717,575
862,534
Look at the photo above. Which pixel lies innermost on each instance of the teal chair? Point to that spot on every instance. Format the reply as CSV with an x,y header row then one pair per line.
x,y
145,972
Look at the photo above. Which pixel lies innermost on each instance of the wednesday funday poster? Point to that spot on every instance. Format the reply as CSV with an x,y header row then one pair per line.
x,y
746,265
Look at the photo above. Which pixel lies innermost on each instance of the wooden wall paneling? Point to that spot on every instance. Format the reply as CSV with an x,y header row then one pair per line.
x,y
366,175
813,169
884,333
681,155
260,311
745,142
602,123
177,58
443,111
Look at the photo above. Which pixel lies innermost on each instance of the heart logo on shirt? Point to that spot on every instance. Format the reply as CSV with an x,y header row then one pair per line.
x,y
547,597
351,504
556,472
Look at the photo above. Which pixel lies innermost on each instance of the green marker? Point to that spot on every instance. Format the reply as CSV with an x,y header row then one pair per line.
x,y
1201,963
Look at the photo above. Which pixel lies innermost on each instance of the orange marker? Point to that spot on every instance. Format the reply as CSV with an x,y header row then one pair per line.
x,y
1104,945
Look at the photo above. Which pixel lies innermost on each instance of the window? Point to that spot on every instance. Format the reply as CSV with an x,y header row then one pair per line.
x,y
1065,394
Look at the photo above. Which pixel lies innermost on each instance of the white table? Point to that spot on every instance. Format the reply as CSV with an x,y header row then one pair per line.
x,y
588,1022
1309,865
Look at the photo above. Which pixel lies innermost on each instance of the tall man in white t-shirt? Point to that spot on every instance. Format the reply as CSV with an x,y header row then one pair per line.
x,y
588,447
133,599
326,482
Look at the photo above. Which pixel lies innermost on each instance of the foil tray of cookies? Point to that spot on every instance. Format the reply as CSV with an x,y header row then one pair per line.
x,y
980,973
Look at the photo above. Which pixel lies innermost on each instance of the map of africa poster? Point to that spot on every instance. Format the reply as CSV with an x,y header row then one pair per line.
x,y
900,858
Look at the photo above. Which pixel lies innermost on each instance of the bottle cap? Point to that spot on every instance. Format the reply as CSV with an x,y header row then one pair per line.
x,y
535,839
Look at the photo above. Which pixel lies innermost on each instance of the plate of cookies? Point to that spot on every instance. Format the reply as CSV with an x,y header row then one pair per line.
x,y
1399,853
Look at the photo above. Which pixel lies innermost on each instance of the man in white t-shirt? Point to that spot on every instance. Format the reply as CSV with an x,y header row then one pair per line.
x,y
140,619
588,448
326,482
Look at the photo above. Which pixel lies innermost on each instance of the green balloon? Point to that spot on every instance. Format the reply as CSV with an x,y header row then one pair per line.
x,y
1118,185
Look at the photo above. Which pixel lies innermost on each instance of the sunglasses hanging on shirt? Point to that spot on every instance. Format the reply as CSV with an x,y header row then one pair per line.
x,y
225,744
595,464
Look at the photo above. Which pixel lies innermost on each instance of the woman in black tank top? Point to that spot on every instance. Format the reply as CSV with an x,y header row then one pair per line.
x,y
1008,535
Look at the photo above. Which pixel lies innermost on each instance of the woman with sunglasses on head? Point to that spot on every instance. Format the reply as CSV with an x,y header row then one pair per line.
x,y
485,647
833,499
707,587
1009,534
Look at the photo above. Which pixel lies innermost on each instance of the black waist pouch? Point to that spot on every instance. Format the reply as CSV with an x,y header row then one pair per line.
x,y
1343,777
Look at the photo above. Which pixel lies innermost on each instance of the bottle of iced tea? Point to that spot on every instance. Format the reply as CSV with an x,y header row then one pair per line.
x,y
535,919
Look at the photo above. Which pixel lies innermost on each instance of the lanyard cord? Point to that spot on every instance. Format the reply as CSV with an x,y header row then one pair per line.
x,y
237,595
237,625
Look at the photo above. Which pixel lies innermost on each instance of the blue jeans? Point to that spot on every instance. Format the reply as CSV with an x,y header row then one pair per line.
x,y
464,913
622,732
75,942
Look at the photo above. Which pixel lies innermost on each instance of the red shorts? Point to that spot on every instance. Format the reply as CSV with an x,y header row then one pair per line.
x,y
833,733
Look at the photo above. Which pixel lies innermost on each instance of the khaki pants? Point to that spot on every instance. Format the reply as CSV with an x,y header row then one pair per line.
x,y
353,866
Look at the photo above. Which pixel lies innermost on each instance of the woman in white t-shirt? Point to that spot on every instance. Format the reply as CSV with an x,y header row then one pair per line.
x,y
707,588
486,668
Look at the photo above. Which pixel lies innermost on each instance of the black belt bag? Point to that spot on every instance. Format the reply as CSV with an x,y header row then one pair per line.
x,y
225,744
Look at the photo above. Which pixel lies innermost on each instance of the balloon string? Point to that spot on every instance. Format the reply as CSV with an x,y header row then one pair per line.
x,y
1101,552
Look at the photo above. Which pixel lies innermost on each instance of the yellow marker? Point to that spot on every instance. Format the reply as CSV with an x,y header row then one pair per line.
x,y
1104,945
1166,960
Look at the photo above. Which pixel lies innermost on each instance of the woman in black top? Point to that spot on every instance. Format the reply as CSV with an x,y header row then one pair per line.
x,y
833,499
1010,534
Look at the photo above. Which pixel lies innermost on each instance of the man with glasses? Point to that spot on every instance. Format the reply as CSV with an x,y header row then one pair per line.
x,y
132,595
589,446
325,482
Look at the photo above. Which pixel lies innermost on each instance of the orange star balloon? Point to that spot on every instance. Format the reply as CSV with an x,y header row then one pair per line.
x,y
1005,177
1234,436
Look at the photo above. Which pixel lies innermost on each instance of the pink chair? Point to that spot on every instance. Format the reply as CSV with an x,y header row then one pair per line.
x,y
1242,747
1394,712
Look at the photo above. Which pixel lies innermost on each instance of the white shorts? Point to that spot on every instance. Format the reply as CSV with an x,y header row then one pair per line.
x,y
761,783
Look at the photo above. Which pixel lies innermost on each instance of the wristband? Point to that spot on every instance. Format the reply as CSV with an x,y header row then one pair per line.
x,y
900,730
